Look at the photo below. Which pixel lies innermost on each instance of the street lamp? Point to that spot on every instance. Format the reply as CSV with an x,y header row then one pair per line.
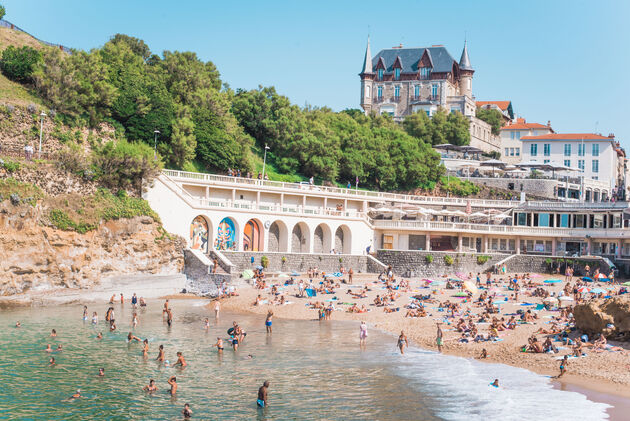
x,y
156,132
265,162
41,130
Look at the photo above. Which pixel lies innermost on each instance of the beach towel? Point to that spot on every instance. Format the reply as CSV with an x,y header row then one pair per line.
x,y
310,292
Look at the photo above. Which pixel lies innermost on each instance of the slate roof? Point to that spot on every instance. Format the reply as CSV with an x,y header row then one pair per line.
x,y
409,57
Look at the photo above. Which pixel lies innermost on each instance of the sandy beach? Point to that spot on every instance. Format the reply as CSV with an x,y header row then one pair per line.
x,y
606,372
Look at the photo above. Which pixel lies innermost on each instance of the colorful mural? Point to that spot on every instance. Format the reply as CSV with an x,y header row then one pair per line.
x,y
252,238
199,234
226,235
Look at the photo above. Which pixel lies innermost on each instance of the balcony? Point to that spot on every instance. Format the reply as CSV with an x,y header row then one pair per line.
x,y
429,98
378,99
395,98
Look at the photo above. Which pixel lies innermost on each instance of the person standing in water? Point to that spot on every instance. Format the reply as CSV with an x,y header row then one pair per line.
x,y
563,366
85,313
180,360
187,412
219,345
402,342
134,300
217,308
151,387
160,356
439,339
145,348
122,298
165,310
362,333
268,321
173,383
262,395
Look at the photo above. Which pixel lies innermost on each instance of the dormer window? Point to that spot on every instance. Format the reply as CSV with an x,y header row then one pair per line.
x,y
425,72
397,73
380,74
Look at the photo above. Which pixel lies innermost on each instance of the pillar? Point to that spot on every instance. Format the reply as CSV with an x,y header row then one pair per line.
x,y
325,203
281,199
553,246
257,199
589,246
233,196
617,248
485,244
427,242
460,243
303,203
518,245
207,194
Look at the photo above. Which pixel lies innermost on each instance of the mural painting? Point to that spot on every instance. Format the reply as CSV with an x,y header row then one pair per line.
x,y
252,236
226,235
199,234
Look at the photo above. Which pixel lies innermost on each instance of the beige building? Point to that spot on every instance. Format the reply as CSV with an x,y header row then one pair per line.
x,y
511,133
400,81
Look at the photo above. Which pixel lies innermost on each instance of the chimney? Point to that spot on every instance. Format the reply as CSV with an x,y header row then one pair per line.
x,y
611,135
548,123
398,47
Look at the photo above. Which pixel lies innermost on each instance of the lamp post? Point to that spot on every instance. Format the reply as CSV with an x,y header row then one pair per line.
x,y
41,131
264,163
156,132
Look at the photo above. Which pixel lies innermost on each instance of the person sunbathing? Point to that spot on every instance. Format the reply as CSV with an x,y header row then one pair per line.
x,y
599,343
534,346
390,310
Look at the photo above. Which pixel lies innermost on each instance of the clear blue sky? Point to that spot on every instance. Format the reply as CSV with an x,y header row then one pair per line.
x,y
564,61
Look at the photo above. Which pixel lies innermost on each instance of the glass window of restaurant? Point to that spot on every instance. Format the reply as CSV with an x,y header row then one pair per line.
x,y
616,221
495,244
511,244
580,221
503,244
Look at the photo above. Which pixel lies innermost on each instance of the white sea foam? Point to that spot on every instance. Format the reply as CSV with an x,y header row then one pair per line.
x,y
460,389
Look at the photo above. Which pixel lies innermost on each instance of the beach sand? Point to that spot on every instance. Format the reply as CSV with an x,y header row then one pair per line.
x,y
605,372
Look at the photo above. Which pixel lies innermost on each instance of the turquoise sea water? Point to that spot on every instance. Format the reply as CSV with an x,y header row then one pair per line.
x,y
317,372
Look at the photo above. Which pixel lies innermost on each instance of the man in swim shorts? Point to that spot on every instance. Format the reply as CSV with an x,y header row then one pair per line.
x,y
268,321
173,382
262,395
439,338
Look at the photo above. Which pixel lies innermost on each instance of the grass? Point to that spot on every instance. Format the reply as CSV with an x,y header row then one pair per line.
x,y
72,212
27,192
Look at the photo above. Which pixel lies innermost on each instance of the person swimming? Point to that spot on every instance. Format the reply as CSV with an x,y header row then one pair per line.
x,y
76,395
151,387
48,348
53,333
99,335
101,372
131,337
180,360
18,324
187,412
495,383
51,362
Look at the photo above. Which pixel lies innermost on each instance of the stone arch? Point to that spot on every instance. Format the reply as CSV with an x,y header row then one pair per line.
x,y
343,240
200,233
300,238
227,235
278,237
322,239
253,236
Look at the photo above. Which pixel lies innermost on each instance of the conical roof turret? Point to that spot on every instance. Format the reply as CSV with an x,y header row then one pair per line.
x,y
464,62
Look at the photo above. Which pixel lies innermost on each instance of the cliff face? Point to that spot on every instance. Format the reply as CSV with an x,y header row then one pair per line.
x,y
608,316
37,257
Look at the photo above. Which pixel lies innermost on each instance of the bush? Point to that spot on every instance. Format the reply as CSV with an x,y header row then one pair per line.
x,y
10,186
11,166
264,262
448,260
124,165
71,158
18,64
481,259
428,258
458,187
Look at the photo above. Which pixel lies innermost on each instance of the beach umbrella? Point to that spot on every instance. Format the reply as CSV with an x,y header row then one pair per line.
x,y
551,300
601,276
247,274
587,279
598,291
259,267
494,163
583,290
470,287
447,147
566,298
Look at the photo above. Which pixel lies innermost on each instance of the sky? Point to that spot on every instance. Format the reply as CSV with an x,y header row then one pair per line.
x,y
563,61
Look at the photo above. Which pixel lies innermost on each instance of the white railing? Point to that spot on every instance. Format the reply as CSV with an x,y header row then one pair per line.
x,y
352,193
500,229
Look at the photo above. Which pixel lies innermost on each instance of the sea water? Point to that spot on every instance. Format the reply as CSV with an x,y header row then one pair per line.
x,y
316,369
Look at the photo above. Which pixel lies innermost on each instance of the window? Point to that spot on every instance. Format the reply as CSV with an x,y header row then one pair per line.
x,y
512,135
567,149
581,148
581,164
380,92
518,151
595,149
416,91
507,151
425,72
511,151
545,161
397,73
580,221
434,91
564,220
367,91
543,219
547,149
521,219
518,135
595,165
567,162
533,149
380,74
397,91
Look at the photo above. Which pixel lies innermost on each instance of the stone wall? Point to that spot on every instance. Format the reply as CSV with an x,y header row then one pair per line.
x,y
530,263
536,187
199,278
299,262
414,263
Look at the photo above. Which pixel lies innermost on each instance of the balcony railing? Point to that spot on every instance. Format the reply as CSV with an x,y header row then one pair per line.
x,y
373,196
379,99
396,98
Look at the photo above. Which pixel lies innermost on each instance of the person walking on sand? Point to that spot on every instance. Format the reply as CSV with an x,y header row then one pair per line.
x,y
262,395
350,273
402,342
439,339
122,298
217,308
362,332
268,321
563,366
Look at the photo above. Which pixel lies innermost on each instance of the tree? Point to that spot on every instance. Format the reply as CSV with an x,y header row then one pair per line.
x,y
3,11
419,126
439,127
457,129
18,64
183,142
493,117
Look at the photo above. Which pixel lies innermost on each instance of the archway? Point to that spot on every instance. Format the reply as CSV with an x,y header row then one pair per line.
x,y
278,237
227,235
322,240
343,240
300,240
200,230
253,236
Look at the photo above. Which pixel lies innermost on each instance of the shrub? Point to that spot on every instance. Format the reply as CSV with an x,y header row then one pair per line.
x,y
448,260
125,165
264,262
32,109
11,166
284,259
18,64
481,259
458,187
428,258
71,158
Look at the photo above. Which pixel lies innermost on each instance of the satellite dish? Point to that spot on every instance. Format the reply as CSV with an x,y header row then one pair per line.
x,y
267,224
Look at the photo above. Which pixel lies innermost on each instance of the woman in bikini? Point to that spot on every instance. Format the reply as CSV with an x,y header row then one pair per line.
x,y
402,342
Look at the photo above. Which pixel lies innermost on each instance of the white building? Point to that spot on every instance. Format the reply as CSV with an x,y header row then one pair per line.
x,y
595,155
511,133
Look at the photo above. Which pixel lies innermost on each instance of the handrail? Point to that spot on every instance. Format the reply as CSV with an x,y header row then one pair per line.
x,y
360,194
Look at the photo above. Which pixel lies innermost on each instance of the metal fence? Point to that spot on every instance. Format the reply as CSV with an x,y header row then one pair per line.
x,y
7,24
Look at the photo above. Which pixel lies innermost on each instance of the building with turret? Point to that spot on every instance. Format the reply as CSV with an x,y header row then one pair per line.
x,y
401,81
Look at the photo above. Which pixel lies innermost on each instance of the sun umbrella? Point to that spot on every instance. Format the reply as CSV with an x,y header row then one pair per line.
x,y
470,287
247,274
583,290
494,163
598,291
551,300
587,279
259,267
601,276
566,298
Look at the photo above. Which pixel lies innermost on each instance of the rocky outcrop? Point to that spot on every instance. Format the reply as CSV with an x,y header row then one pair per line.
x,y
36,257
608,316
